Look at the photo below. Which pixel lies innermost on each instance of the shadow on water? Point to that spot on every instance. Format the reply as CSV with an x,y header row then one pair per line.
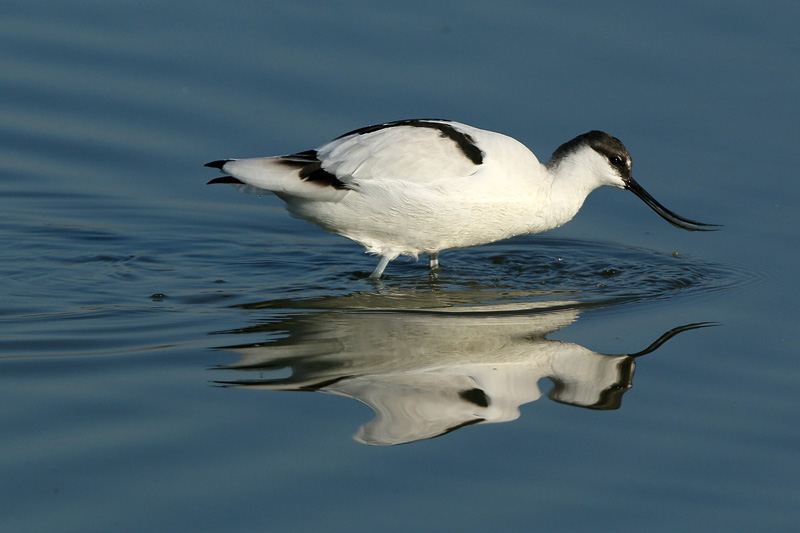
x,y
443,354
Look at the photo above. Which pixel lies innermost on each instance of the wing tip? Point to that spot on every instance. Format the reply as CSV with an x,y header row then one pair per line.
x,y
218,163
226,179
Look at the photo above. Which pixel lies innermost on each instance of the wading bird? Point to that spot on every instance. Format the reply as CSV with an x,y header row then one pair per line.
x,y
421,186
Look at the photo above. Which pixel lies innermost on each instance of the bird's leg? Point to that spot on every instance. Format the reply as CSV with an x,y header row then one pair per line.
x,y
434,261
380,268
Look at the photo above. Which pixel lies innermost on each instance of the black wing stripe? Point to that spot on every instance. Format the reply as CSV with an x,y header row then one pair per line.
x,y
464,141
310,169
217,164
226,179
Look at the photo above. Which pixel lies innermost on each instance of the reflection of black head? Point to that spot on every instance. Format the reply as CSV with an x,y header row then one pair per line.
x,y
607,398
580,393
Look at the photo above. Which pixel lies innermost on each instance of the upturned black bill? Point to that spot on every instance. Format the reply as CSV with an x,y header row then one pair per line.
x,y
666,214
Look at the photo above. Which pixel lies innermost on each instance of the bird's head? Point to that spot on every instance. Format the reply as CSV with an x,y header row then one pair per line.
x,y
602,160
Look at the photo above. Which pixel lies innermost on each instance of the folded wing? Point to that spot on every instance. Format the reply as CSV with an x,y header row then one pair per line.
x,y
414,151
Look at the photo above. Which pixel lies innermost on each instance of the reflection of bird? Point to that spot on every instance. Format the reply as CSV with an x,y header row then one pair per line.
x,y
423,186
427,373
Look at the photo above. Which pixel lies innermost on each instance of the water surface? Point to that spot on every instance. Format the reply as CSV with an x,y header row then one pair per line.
x,y
177,356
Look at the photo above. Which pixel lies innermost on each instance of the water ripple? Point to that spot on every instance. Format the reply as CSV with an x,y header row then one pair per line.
x,y
588,272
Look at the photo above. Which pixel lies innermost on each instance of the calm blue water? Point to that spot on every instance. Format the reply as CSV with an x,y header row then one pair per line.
x,y
156,334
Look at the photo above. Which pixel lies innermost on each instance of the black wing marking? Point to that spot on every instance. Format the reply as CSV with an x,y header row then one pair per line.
x,y
308,165
217,164
226,179
464,141
310,169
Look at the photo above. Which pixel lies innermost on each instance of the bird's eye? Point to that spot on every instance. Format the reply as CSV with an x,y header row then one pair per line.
x,y
615,160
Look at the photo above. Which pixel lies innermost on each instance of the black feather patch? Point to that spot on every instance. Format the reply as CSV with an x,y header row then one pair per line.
x,y
463,140
311,169
226,179
217,164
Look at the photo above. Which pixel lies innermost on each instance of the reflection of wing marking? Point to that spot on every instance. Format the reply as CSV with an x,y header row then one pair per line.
x,y
419,406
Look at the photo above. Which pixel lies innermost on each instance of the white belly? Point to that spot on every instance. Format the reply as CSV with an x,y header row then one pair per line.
x,y
415,219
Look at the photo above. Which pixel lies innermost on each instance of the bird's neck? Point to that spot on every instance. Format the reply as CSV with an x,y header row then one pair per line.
x,y
569,190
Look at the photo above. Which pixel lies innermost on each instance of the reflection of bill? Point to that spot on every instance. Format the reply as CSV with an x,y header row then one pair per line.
x,y
427,373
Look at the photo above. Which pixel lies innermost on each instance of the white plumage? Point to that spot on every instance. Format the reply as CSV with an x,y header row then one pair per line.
x,y
422,186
